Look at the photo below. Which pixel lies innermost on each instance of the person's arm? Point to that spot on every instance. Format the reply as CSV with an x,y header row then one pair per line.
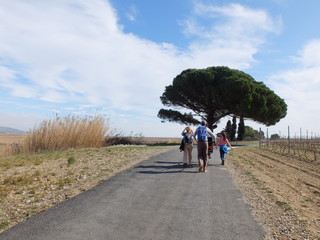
x,y
210,132
214,139
195,135
218,142
229,143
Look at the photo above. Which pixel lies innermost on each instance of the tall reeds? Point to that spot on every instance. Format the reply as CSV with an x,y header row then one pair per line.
x,y
67,132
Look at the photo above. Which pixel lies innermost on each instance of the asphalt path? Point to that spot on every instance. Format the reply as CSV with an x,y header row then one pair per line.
x,y
156,199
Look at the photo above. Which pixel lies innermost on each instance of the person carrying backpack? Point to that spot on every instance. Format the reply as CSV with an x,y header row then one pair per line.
x,y
200,136
211,142
187,134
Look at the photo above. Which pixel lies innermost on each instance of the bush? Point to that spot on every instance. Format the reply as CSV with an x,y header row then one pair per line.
x,y
66,132
71,160
121,139
274,136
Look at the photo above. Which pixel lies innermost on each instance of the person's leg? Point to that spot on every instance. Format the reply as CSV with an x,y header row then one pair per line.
x,y
209,147
190,147
185,155
200,155
205,156
222,156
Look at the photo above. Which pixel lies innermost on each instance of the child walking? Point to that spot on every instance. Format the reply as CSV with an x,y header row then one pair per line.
x,y
223,142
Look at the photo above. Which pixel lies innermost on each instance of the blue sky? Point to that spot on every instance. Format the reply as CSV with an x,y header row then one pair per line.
x,y
115,57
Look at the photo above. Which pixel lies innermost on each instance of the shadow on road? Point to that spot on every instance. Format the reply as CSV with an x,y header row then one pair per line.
x,y
170,167
165,167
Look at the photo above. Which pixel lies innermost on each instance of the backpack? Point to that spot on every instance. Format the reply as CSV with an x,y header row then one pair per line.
x,y
202,133
181,145
187,139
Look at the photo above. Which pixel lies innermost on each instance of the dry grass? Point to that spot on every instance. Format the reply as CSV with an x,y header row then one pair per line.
x,y
6,143
30,184
60,133
64,133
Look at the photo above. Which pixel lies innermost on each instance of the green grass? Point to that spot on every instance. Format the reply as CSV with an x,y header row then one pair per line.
x,y
284,205
4,224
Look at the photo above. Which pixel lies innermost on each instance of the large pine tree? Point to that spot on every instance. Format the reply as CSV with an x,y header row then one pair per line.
x,y
215,92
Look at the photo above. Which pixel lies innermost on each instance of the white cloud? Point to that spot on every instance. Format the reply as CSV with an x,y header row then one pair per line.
x,y
228,35
300,88
75,51
132,13
309,56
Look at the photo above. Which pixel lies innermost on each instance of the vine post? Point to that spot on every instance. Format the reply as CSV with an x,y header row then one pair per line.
x,y
289,139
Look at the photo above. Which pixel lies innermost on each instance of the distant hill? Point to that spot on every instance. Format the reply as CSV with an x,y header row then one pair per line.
x,y
7,130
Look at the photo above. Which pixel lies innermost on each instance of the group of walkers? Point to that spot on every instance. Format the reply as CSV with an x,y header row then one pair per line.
x,y
201,136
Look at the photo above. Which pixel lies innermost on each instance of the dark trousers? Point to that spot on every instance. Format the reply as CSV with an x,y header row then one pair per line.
x,y
202,154
222,153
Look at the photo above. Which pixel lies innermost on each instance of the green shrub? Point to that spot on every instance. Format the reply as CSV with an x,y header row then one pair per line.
x,y
285,205
4,224
71,160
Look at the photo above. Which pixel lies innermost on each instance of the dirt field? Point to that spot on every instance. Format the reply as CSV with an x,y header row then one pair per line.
x,y
284,192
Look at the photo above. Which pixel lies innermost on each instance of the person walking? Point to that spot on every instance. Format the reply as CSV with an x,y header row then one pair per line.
x,y
187,134
223,142
200,136
211,142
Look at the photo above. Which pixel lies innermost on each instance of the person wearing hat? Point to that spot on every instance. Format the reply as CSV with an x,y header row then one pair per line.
x,y
200,135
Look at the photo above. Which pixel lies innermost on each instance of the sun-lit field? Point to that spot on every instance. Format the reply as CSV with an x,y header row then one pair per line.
x,y
10,138
7,143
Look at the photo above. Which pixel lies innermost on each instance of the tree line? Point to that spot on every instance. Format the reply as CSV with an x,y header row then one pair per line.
x,y
239,132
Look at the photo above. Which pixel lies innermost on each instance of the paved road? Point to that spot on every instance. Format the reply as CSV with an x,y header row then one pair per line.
x,y
157,199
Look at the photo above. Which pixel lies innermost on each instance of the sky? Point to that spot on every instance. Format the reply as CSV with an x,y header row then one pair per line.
x,y
115,57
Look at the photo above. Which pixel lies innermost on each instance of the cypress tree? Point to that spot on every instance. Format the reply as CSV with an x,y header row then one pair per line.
x,y
241,129
228,129
233,128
